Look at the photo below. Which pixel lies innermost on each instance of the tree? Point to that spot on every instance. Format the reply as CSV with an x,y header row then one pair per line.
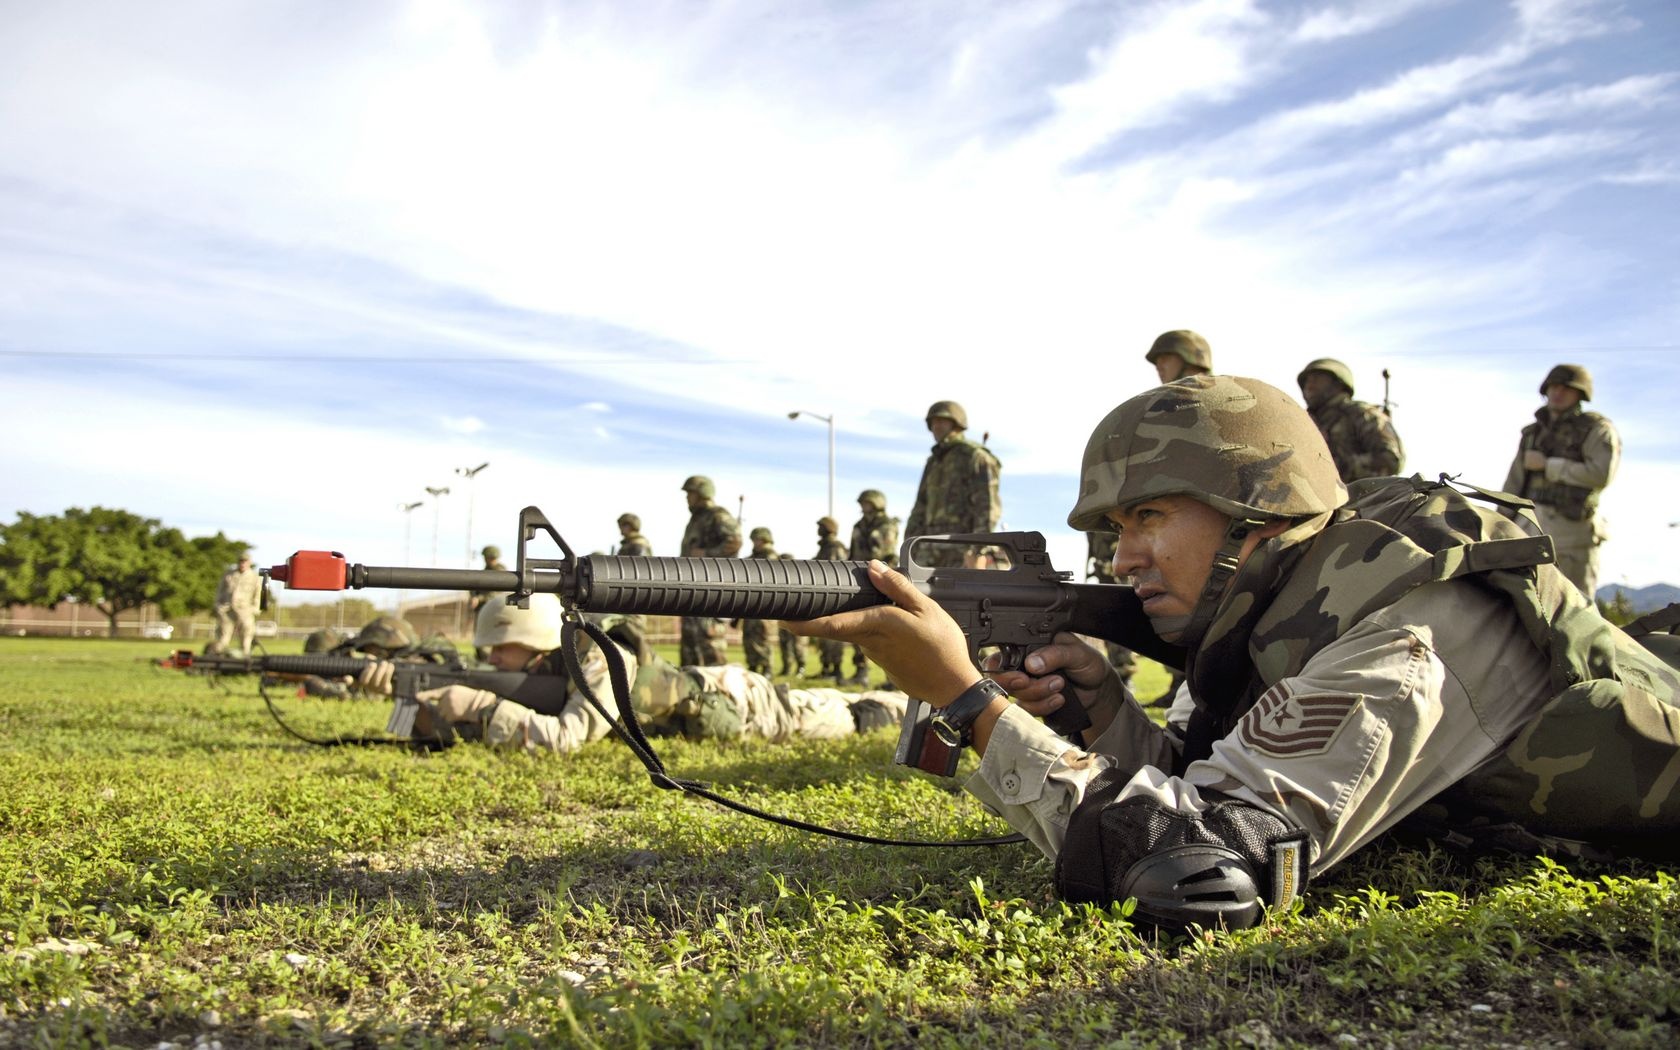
x,y
111,560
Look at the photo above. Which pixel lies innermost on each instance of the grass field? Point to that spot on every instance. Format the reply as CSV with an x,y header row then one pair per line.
x,y
173,869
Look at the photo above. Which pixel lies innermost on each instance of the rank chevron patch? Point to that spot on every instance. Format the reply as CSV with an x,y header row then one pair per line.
x,y
1286,725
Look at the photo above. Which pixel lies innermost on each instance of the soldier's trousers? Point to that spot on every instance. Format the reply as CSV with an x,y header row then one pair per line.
x,y
703,642
229,621
793,653
833,653
1577,547
756,640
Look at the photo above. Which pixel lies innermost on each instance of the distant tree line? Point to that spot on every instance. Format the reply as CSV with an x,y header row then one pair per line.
x,y
113,561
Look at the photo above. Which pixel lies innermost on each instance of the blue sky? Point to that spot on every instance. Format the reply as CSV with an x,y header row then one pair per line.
x,y
276,268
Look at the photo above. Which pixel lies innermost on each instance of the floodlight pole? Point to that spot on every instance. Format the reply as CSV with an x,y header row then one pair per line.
x,y
829,419
437,503
470,473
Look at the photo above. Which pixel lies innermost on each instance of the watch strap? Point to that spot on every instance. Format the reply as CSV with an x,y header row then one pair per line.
x,y
954,723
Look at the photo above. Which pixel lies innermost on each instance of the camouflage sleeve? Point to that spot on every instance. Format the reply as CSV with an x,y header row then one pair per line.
x,y
514,725
1602,453
1379,451
726,541
985,508
918,513
1401,707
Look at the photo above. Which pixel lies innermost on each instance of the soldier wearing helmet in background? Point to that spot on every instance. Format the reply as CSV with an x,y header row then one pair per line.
x,y
874,536
475,600
701,703
632,544
237,598
712,532
829,548
1566,458
1178,354
794,647
1409,654
758,636
1361,437
959,487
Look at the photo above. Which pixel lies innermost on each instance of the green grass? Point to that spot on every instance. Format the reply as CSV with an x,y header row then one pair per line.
x,y
172,867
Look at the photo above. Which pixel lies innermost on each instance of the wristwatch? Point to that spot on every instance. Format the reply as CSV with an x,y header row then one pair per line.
x,y
953,724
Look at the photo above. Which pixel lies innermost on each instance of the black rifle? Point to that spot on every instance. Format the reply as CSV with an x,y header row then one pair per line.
x,y
1013,609
545,693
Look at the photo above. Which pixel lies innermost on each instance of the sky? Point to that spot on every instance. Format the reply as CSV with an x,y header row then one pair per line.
x,y
275,269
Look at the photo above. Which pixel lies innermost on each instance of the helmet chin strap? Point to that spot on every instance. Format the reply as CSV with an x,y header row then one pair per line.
x,y
1225,563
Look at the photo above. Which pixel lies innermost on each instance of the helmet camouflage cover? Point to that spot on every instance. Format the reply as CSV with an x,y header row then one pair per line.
x,y
492,552
1189,346
631,520
1329,366
1239,445
323,641
827,526
874,499
1575,376
390,633
948,410
701,484
761,533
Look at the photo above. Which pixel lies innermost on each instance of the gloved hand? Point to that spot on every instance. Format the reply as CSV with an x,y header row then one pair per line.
x,y
376,677
459,703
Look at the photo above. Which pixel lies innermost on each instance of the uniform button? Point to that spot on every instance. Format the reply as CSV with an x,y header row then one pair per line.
x,y
1011,784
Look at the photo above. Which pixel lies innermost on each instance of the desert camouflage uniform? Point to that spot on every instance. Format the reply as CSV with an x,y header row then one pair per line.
x,y
1582,452
829,548
512,724
1099,547
759,636
874,536
712,532
1401,655
236,609
724,702
1361,437
958,493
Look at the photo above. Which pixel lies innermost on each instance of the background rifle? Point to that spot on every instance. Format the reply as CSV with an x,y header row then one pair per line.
x,y
1013,608
545,693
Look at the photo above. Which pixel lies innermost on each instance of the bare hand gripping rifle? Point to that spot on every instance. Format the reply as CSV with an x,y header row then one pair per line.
x,y
1013,609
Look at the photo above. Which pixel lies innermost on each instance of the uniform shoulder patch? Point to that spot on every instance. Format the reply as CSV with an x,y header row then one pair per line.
x,y
1286,725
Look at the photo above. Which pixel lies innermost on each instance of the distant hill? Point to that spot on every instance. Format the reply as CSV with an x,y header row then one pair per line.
x,y
1643,599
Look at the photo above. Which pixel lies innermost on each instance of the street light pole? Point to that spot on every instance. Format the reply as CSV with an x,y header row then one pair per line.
x,y
408,510
829,419
470,473
437,503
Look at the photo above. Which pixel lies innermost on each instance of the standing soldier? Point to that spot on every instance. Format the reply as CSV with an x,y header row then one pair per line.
x,y
1566,458
632,544
1360,435
757,635
712,532
794,647
1180,353
874,536
236,607
1099,566
476,599
959,488
829,548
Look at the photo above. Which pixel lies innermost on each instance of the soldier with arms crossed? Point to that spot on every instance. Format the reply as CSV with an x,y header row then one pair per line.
x,y
1566,458
1350,666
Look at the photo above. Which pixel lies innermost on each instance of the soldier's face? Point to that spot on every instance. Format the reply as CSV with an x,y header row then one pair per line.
x,y
1319,387
512,656
1166,546
1169,367
695,500
1560,398
939,427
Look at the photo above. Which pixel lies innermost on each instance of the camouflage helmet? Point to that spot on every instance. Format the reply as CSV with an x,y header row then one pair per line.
x,y
1187,345
1575,376
390,633
827,526
874,499
1329,366
323,641
1242,447
761,533
631,520
948,410
502,623
701,484
492,552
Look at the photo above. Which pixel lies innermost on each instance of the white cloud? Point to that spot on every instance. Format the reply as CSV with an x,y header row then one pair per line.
x,y
462,424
